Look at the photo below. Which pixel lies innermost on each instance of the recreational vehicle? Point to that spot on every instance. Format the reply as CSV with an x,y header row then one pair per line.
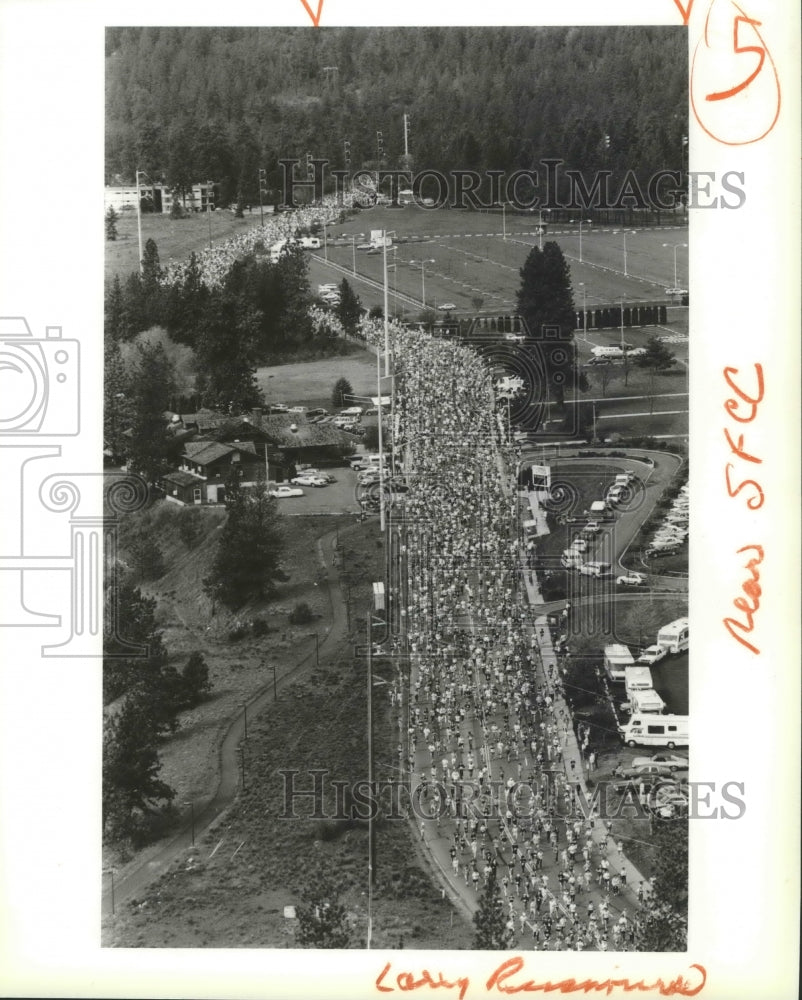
x,y
674,636
655,731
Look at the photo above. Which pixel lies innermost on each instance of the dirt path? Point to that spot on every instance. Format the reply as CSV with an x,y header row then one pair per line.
x,y
155,863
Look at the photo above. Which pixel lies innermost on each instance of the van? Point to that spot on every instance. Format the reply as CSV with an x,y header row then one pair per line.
x,y
597,569
572,559
656,731
647,702
598,508
623,479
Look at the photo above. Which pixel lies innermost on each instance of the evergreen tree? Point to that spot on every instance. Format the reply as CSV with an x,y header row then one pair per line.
x,y
131,765
116,403
323,922
342,388
151,451
151,284
247,563
135,623
490,920
349,308
545,301
657,356
115,324
111,220
195,685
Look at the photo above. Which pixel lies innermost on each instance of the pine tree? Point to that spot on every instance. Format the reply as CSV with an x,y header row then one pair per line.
x,y
247,563
349,308
342,388
490,920
151,452
131,766
545,301
111,224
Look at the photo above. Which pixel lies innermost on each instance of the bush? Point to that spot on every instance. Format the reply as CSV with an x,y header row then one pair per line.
x,y
147,560
236,633
189,526
195,685
301,614
260,627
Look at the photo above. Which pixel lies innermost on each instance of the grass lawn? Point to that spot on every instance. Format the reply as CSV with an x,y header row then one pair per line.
x,y
175,238
310,383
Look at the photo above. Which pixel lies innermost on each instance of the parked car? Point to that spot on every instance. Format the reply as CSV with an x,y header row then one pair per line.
x,y
631,580
592,528
298,409
282,492
646,771
278,408
319,473
652,654
446,306
636,352
671,760
307,480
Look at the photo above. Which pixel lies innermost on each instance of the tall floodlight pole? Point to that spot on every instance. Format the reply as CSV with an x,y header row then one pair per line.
x,y
139,220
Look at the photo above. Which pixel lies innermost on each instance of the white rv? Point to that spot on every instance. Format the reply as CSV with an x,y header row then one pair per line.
x,y
674,636
655,731
617,658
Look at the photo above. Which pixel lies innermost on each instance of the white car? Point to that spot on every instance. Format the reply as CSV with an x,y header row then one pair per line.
x,y
631,580
592,528
672,761
447,307
282,492
308,480
652,654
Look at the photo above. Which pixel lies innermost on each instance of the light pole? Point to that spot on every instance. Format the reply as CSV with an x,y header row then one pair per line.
x,y
245,718
110,871
504,220
370,776
209,193
139,217
325,243
584,311
581,223
316,637
385,237
622,321
540,227
676,247
423,264
192,813
241,752
625,233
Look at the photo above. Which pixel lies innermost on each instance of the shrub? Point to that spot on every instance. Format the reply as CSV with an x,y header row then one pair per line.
x,y
301,614
195,685
239,631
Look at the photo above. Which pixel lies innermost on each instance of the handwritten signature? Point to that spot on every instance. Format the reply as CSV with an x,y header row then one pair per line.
x,y
503,980
743,409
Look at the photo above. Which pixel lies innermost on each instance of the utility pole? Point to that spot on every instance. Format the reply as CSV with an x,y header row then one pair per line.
x,y
209,198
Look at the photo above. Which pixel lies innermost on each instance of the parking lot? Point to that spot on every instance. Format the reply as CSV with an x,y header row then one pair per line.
x,y
337,498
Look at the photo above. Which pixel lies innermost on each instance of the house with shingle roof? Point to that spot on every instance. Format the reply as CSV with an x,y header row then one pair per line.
x,y
282,441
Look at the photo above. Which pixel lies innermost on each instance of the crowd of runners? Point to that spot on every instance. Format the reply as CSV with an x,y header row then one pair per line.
x,y
489,747
491,750
215,262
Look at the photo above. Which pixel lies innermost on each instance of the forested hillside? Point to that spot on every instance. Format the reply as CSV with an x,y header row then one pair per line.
x,y
187,104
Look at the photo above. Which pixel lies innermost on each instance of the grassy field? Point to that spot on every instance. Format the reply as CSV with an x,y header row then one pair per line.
x,y
311,383
174,237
